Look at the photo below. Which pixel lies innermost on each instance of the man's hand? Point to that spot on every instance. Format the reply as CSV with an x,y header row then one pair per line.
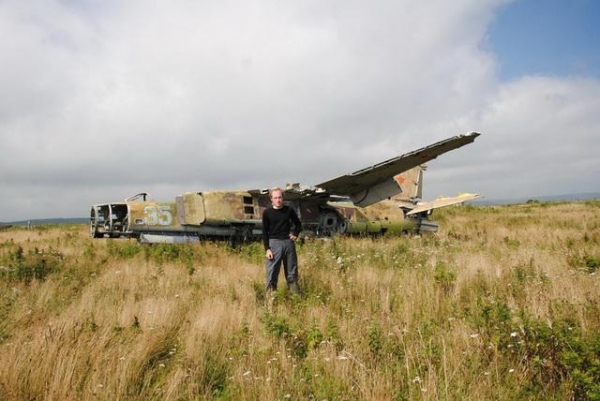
x,y
269,254
293,237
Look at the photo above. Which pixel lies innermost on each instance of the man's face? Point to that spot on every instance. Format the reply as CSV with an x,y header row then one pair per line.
x,y
277,199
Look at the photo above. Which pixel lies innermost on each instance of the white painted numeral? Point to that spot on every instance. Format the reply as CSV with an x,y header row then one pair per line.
x,y
158,215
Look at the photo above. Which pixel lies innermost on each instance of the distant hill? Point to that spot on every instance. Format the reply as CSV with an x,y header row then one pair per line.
x,y
38,222
550,198
480,202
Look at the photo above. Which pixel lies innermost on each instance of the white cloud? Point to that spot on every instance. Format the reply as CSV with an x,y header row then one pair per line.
x,y
104,99
544,136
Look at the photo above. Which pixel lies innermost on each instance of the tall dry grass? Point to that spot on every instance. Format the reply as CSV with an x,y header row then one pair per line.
x,y
503,303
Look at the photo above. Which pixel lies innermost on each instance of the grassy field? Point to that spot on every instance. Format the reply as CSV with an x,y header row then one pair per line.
x,y
502,304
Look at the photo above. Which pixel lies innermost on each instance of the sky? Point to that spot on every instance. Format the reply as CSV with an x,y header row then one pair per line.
x,y
101,100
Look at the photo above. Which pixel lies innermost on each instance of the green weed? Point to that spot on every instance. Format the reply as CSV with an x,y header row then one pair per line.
x,y
35,264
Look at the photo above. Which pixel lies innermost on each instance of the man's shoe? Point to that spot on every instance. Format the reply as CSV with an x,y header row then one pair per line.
x,y
295,288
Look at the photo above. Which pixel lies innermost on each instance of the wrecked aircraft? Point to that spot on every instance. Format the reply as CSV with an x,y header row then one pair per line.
x,y
384,198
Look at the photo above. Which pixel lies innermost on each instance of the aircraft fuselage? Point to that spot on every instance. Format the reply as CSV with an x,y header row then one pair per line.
x,y
239,215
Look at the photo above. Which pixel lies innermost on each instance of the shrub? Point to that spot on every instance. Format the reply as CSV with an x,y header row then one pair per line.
x,y
34,265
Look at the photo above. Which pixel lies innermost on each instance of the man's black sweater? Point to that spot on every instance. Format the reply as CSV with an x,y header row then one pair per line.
x,y
277,224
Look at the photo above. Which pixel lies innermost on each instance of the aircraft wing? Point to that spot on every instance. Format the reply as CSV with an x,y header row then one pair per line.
x,y
442,202
375,183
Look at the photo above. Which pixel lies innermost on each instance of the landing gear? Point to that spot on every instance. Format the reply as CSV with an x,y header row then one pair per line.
x,y
241,236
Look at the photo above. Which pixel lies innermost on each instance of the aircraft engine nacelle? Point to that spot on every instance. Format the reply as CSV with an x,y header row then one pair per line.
x,y
331,222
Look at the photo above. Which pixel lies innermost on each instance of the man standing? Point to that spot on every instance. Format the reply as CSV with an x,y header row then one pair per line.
x,y
281,227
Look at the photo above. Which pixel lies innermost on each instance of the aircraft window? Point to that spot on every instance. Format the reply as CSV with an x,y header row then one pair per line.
x,y
248,205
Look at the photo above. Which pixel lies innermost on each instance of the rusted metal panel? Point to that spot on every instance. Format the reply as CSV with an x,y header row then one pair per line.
x,y
309,212
385,210
224,207
192,209
262,203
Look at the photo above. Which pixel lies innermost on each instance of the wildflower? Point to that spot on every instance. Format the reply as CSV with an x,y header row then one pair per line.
x,y
246,373
511,370
514,334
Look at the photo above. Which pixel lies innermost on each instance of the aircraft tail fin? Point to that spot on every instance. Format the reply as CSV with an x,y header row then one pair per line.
x,y
411,184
